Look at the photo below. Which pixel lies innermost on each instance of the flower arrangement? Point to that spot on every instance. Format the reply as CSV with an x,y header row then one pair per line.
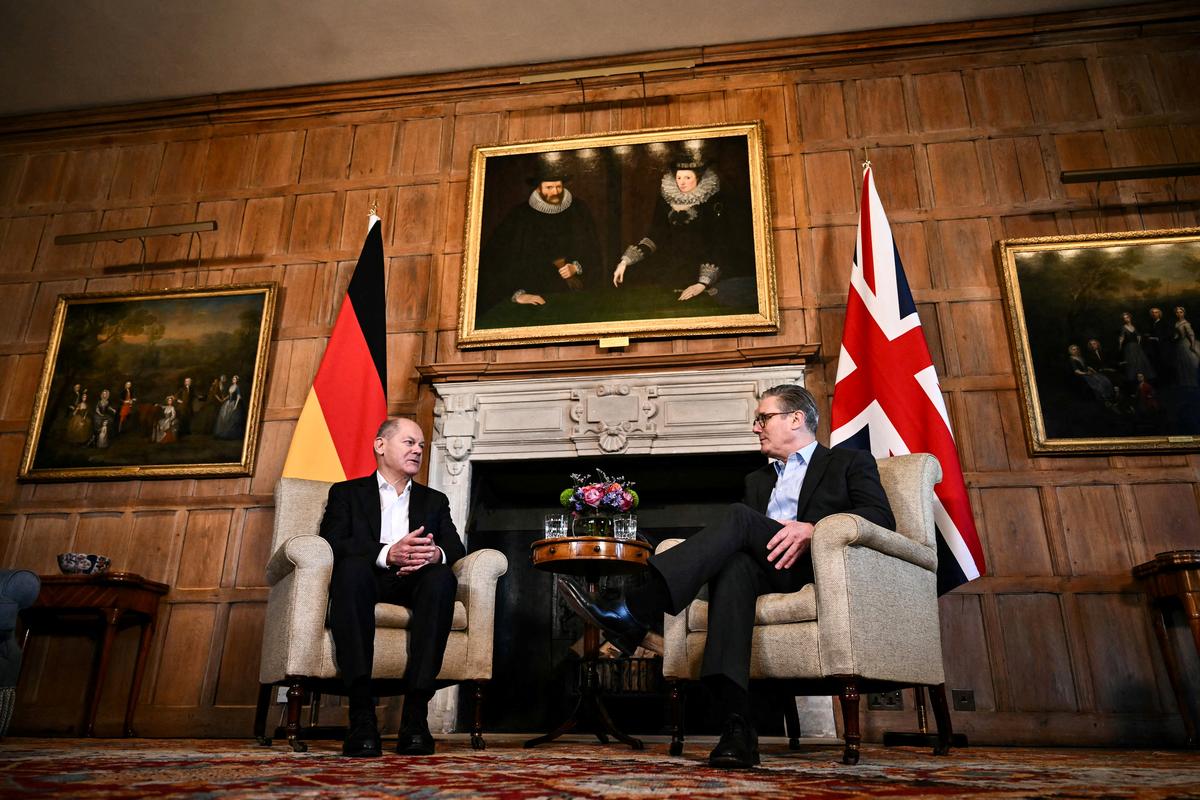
x,y
597,493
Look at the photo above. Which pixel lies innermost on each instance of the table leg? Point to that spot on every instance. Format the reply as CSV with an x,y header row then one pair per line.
x,y
1173,673
111,617
1191,607
138,670
567,726
605,721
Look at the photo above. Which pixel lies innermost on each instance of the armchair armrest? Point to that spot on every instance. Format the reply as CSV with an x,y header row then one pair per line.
x,y
876,595
298,574
839,531
477,576
299,552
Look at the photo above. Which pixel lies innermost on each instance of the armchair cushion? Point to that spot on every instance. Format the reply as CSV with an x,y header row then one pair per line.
x,y
776,608
393,616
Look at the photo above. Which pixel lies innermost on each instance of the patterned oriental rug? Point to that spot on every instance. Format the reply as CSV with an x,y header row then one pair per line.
x,y
204,768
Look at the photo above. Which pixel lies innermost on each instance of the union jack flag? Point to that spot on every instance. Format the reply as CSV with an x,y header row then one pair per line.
x,y
886,398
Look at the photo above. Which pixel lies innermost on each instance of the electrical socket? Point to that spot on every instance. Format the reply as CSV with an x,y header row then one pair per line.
x,y
885,701
962,699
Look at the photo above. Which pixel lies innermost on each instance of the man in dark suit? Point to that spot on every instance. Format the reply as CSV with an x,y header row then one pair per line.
x,y
761,545
393,542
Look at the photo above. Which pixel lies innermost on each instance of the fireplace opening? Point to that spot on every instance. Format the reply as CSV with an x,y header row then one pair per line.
x,y
535,672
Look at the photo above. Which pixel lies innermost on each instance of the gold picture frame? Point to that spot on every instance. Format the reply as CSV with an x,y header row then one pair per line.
x,y
711,270
1105,363
155,384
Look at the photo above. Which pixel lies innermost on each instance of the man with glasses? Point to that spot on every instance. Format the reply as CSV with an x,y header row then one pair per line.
x,y
393,542
760,545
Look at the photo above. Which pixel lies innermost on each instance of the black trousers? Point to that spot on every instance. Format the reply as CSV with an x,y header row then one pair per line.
x,y
731,557
354,589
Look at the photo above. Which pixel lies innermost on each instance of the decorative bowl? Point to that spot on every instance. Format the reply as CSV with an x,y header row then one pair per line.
x,y
83,563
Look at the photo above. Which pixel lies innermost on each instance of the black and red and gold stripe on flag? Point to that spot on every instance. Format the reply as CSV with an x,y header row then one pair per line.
x,y
348,398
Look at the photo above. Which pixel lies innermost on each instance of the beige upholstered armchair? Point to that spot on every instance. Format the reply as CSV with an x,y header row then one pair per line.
x,y
867,623
297,648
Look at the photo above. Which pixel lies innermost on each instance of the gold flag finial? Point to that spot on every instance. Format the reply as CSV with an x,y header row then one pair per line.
x,y
374,210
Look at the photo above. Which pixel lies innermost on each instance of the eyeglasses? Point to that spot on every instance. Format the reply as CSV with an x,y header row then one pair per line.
x,y
761,419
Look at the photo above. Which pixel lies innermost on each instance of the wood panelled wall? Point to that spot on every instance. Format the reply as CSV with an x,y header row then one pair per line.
x,y
967,135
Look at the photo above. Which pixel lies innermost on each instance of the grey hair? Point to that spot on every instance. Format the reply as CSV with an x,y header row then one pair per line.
x,y
388,427
796,398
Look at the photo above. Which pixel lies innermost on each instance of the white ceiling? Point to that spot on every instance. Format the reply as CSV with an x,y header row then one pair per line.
x,y
82,53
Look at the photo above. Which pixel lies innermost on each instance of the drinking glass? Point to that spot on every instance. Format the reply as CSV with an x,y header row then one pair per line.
x,y
555,525
625,527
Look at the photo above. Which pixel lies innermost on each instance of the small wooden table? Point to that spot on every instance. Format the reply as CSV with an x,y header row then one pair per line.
x,y
1173,578
590,557
112,599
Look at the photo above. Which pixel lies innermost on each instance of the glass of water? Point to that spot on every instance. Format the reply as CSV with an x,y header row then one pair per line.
x,y
625,527
555,526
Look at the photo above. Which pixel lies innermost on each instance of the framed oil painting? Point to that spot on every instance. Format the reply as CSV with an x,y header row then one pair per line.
x,y
651,233
152,384
1102,328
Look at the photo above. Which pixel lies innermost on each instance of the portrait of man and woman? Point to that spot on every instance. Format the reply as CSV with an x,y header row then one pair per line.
x,y
650,230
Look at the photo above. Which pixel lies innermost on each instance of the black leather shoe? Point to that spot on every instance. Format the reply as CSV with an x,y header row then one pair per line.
x,y
415,739
363,739
609,614
738,747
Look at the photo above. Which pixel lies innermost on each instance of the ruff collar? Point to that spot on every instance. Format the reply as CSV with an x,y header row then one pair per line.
x,y
538,204
708,186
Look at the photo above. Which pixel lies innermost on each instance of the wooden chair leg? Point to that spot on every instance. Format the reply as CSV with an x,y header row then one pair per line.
x,y
295,704
941,717
314,709
849,698
676,696
477,742
260,714
791,720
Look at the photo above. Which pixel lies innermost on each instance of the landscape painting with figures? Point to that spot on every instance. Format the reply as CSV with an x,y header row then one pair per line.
x,y
163,383
1103,332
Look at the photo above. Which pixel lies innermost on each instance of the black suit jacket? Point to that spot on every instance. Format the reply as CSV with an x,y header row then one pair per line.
x,y
840,480
352,519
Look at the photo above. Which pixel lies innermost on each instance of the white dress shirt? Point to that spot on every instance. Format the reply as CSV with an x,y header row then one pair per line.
x,y
785,497
393,518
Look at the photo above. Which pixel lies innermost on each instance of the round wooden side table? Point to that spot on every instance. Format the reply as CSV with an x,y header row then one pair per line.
x,y
590,557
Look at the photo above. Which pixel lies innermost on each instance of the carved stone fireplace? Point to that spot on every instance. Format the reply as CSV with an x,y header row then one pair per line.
x,y
700,411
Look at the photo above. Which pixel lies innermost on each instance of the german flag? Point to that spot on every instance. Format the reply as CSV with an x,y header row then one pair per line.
x,y
348,398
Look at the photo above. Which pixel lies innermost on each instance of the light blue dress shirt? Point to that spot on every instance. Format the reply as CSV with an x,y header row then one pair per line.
x,y
786,494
